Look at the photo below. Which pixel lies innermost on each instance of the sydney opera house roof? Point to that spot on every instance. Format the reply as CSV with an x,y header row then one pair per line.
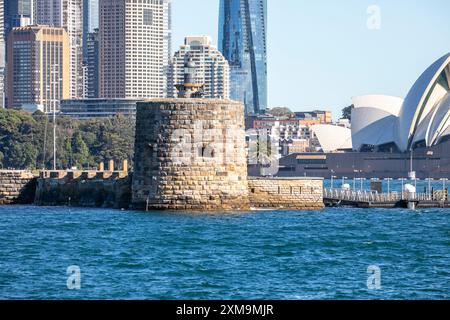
x,y
421,119
332,138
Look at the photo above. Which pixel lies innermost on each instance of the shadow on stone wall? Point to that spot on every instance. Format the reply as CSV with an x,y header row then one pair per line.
x,y
84,189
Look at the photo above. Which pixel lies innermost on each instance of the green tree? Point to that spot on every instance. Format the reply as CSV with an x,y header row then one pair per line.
x,y
80,151
17,139
347,112
26,141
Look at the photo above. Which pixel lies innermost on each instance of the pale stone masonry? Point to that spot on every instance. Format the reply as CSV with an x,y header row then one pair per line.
x,y
16,187
286,193
190,155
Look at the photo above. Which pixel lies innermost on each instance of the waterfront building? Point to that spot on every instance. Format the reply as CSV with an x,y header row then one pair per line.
x,y
67,14
90,22
98,108
391,124
286,128
243,42
212,70
92,78
135,39
389,137
333,138
428,162
324,116
38,69
290,146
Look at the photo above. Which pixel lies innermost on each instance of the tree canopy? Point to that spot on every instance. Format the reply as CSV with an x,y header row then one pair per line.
x,y
281,112
347,112
26,141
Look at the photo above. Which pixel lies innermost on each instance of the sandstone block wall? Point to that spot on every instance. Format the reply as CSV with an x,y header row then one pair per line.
x,y
210,174
16,187
84,189
286,193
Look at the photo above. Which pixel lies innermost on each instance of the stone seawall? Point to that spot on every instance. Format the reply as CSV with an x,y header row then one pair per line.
x,y
84,189
16,187
286,193
113,190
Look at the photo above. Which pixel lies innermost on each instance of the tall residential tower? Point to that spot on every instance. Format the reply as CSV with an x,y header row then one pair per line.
x,y
242,40
212,68
67,14
135,41
38,68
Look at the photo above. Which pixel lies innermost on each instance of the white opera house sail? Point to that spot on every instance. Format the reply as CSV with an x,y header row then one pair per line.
x,y
385,123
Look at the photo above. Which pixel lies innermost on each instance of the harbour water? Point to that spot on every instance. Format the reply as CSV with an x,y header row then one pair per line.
x,y
258,255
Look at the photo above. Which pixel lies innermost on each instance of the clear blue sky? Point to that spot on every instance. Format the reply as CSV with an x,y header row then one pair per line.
x,y
321,53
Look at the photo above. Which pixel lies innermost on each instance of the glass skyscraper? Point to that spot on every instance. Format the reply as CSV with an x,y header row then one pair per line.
x,y
242,40
90,22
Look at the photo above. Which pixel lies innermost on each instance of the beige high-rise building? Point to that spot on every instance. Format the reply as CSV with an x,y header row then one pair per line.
x,y
212,69
135,37
67,14
38,68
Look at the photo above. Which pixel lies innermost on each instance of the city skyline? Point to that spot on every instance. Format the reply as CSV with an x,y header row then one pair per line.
x,y
364,61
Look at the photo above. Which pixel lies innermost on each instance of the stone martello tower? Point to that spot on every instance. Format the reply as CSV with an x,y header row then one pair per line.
x,y
190,153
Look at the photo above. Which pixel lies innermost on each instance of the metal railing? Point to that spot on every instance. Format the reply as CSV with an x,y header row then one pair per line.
x,y
374,196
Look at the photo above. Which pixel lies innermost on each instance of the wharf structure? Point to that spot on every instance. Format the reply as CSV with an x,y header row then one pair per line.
x,y
373,199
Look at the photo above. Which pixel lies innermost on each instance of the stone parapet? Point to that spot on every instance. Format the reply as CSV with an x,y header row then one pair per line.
x,y
84,189
286,193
